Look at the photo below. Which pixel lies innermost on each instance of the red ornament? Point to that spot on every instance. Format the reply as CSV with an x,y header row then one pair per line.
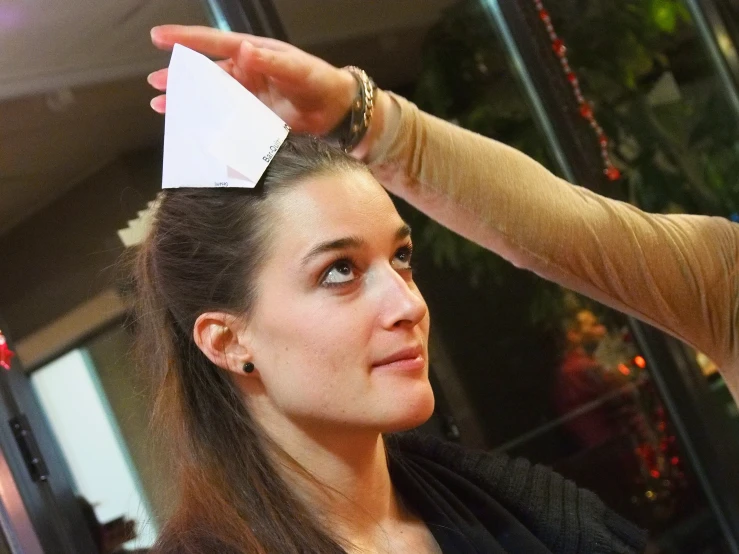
x,y
586,111
544,15
559,47
603,140
613,173
571,77
5,352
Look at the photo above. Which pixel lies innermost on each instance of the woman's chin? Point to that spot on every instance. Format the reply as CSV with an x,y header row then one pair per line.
x,y
411,413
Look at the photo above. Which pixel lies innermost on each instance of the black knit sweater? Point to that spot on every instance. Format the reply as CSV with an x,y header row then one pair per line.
x,y
476,502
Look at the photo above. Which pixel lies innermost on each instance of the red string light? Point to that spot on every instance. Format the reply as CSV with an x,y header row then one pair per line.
x,y
586,110
624,369
5,352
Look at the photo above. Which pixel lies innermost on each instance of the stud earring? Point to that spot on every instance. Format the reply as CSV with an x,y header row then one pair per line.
x,y
248,367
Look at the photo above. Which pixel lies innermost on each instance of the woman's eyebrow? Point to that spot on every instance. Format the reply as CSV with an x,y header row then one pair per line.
x,y
404,231
331,245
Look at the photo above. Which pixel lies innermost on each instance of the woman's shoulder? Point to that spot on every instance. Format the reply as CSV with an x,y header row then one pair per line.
x,y
562,515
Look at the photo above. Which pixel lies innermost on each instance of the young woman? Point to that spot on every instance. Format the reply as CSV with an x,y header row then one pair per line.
x,y
677,272
291,343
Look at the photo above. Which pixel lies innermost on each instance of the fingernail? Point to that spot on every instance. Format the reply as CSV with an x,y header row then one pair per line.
x,y
155,38
155,106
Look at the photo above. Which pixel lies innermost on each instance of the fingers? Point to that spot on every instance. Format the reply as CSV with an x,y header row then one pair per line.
x,y
158,79
159,104
270,43
213,42
203,39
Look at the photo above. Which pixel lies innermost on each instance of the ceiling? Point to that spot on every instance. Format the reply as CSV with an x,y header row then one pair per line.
x,y
73,95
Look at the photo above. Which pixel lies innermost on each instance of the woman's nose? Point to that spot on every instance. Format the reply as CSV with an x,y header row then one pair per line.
x,y
402,302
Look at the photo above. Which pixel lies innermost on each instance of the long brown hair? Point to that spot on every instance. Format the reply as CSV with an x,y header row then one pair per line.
x,y
202,254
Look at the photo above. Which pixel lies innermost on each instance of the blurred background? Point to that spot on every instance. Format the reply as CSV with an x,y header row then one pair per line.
x,y
518,365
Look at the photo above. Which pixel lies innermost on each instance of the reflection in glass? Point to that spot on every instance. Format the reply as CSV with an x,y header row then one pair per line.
x,y
80,417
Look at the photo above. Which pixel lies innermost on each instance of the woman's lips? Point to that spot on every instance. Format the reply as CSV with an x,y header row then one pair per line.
x,y
407,359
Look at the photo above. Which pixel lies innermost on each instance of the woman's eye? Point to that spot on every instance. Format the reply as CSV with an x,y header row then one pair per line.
x,y
339,273
402,259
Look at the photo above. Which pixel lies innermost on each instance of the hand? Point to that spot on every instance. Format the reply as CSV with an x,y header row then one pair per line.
x,y
309,94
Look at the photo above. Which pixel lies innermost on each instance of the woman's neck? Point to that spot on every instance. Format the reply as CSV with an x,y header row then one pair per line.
x,y
347,481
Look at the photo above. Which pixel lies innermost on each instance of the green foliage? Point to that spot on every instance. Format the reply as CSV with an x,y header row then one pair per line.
x,y
678,146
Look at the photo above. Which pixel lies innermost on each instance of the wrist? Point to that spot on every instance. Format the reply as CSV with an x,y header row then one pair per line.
x,y
346,92
352,129
382,115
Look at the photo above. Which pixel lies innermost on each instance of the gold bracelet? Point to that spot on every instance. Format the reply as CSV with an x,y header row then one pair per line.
x,y
352,129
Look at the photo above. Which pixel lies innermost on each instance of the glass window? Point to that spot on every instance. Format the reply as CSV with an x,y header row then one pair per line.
x,y
521,365
87,431
674,130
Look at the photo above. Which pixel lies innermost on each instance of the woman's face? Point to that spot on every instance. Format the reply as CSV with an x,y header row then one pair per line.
x,y
339,331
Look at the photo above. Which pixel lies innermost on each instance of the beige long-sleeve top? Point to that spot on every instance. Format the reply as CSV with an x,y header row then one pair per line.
x,y
676,272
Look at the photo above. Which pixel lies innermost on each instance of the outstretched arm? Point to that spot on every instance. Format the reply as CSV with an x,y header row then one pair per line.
x,y
677,272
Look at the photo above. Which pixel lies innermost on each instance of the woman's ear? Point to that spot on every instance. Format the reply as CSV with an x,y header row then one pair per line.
x,y
219,337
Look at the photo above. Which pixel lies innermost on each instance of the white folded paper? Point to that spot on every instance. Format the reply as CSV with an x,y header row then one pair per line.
x,y
216,133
